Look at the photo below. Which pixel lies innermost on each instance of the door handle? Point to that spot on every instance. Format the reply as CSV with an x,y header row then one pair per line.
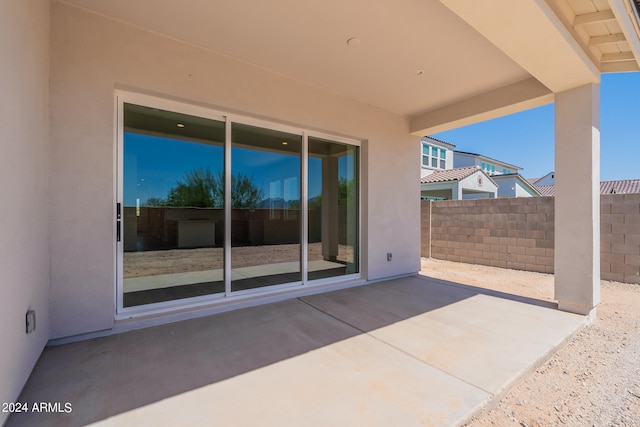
x,y
118,218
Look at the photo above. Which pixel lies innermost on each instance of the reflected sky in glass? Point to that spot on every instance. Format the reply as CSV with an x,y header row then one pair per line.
x,y
162,162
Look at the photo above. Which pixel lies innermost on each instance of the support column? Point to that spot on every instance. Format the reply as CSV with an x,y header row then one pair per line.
x,y
577,200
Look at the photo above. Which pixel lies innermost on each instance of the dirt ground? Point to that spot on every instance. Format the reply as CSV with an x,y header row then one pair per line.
x,y
593,380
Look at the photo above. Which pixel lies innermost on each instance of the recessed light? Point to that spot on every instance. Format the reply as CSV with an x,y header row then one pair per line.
x,y
180,125
418,72
285,143
354,41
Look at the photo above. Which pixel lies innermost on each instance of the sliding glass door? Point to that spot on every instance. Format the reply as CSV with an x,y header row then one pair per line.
x,y
332,209
211,207
265,207
172,226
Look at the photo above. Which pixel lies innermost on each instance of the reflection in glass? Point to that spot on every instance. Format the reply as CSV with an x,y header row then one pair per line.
x,y
333,209
265,207
173,206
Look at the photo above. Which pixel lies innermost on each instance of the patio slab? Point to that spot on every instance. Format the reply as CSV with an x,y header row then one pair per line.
x,y
412,351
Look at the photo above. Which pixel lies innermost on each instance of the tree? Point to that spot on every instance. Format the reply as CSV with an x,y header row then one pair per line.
x,y
244,193
202,188
199,188
155,202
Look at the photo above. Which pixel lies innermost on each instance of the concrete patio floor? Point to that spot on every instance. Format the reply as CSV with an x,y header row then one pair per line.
x,y
405,352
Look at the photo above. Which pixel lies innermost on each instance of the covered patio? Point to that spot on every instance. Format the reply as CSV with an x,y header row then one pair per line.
x,y
411,351
328,102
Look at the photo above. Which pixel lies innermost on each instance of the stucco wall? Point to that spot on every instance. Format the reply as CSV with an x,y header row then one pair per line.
x,y
519,233
24,134
522,191
461,160
471,183
93,55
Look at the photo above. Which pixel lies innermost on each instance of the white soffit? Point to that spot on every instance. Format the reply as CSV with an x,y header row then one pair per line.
x,y
628,19
607,30
531,34
307,41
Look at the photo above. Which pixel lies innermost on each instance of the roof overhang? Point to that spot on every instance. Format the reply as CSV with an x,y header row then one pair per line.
x,y
439,64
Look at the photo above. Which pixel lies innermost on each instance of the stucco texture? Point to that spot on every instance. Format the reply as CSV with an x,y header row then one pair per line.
x,y
24,252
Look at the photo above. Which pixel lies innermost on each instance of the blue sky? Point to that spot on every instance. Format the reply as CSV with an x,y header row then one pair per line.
x,y
153,165
526,139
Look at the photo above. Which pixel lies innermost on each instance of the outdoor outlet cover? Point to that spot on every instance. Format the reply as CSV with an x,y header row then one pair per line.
x,y
389,256
31,321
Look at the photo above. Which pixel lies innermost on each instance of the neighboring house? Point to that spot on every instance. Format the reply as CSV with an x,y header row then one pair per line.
x,y
458,183
548,179
112,109
436,155
625,186
514,185
487,164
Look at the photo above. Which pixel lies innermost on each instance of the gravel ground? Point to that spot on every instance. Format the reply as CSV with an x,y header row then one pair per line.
x,y
593,380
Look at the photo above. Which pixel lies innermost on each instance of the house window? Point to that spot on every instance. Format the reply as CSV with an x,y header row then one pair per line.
x,y
433,156
425,154
489,168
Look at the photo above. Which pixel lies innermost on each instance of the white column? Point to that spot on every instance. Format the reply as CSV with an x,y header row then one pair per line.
x,y
577,200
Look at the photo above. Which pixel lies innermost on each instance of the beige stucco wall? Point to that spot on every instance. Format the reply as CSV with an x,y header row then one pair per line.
x,y
24,252
92,56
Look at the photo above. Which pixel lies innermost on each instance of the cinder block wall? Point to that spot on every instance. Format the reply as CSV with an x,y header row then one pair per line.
x,y
620,237
506,232
425,228
519,233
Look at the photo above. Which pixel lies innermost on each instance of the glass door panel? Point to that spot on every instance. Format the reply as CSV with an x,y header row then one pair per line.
x,y
265,207
333,203
173,206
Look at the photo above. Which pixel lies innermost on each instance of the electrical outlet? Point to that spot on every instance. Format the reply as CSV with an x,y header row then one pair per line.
x,y
389,256
31,321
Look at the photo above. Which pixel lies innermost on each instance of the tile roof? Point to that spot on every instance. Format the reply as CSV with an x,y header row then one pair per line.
x,y
625,186
425,138
456,174
546,190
